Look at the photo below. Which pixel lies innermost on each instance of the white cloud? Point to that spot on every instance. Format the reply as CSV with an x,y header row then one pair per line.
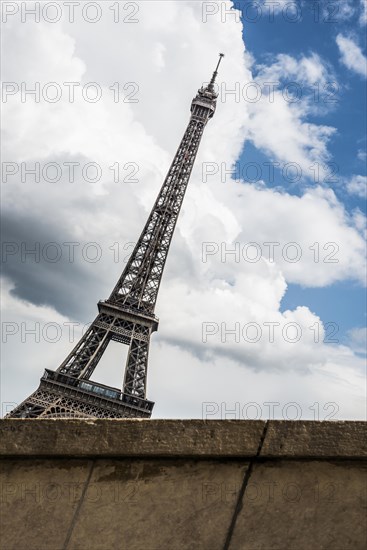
x,y
358,186
309,70
222,388
315,217
360,221
328,383
342,11
363,15
280,129
278,120
173,52
358,339
351,55
362,155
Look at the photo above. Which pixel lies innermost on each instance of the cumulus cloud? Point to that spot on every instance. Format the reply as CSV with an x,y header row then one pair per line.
x,y
174,52
362,155
363,12
293,89
358,339
184,385
328,244
358,186
309,70
281,131
341,11
351,55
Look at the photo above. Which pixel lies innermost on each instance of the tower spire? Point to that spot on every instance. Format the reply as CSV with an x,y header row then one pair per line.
x,y
215,73
127,316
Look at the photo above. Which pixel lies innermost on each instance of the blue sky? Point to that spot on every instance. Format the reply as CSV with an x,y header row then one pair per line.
x,y
316,31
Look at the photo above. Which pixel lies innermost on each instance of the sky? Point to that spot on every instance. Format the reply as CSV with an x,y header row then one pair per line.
x,y
262,302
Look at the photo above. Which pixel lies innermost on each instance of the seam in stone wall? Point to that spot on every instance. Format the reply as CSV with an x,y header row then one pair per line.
x,y
246,479
77,510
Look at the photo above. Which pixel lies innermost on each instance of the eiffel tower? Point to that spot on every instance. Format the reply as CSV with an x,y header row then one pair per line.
x,y
127,316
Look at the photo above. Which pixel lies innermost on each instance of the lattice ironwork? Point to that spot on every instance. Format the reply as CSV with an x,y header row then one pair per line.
x,y
128,314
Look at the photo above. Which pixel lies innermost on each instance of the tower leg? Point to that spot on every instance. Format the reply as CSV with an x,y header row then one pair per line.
x,y
84,357
136,368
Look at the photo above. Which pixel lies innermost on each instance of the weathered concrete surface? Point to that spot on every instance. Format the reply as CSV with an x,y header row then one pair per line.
x,y
303,505
130,437
177,485
127,504
193,438
315,439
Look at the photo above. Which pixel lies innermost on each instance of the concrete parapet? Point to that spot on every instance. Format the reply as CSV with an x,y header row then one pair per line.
x,y
71,484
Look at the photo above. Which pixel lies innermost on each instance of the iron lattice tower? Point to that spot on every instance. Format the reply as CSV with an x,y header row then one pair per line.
x,y
127,316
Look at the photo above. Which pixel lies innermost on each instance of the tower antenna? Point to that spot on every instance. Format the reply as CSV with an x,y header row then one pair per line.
x,y
211,83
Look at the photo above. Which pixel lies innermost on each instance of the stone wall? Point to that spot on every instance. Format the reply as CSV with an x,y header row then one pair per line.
x,y
177,485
